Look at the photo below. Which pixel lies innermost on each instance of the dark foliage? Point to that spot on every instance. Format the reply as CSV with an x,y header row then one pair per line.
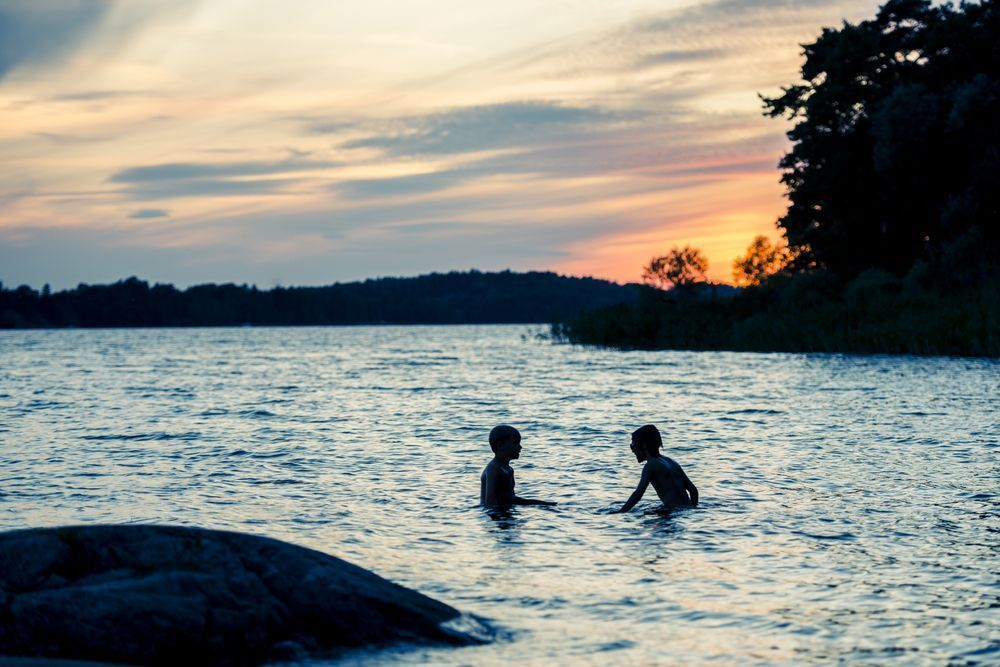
x,y
896,152
451,298
806,312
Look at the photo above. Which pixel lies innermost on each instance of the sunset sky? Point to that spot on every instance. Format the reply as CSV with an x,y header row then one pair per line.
x,y
308,142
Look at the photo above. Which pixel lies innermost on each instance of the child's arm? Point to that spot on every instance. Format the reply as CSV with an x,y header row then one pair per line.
x,y
639,491
517,500
530,501
691,488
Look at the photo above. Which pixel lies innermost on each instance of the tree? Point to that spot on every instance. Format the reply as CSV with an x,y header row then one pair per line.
x,y
678,268
761,261
896,144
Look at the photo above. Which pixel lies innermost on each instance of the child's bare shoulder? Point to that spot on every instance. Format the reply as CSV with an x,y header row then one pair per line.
x,y
494,467
658,465
670,464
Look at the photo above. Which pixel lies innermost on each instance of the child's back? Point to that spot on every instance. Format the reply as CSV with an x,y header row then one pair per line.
x,y
668,479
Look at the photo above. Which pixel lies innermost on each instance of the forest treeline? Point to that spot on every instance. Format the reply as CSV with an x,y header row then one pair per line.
x,y
448,298
891,239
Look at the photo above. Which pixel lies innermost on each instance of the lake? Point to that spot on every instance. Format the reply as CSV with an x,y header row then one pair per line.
x,y
850,504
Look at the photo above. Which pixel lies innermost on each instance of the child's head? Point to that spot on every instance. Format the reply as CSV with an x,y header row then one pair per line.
x,y
646,442
505,441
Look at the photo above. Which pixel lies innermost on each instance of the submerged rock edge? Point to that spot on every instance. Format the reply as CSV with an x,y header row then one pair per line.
x,y
154,594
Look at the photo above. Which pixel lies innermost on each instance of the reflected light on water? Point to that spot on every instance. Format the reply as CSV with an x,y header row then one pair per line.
x,y
849,504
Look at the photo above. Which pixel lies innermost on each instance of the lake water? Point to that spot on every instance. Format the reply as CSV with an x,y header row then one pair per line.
x,y
850,505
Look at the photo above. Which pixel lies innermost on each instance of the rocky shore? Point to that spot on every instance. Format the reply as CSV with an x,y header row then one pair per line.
x,y
142,594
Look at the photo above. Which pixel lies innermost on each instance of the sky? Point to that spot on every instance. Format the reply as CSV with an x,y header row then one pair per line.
x,y
316,141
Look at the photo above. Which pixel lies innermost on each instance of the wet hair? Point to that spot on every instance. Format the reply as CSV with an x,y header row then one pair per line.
x,y
648,436
501,434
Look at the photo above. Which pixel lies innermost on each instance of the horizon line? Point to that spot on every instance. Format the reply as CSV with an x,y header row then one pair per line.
x,y
278,285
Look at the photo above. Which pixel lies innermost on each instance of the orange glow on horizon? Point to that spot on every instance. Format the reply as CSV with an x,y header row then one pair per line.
x,y
729,218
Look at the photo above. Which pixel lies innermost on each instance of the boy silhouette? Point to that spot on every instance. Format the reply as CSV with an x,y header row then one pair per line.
x,y
667,477
496,485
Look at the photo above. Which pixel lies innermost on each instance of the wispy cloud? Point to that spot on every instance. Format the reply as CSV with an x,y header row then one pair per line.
x,y
42,33
175,180
172,171
674,56
206,187
57,138
488,127
149,213
657,145
403,186
750,37
99,95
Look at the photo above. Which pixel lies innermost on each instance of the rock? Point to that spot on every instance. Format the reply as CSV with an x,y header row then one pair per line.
x,y
168,595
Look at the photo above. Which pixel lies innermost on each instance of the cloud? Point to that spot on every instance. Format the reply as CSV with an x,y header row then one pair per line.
x,y
699,38
678,101
669,114
681,56
40,33
174,180
68,139
330,127
655,145
147,213
206,187
490,127
402,186
98,95
171,171
734,22
526,138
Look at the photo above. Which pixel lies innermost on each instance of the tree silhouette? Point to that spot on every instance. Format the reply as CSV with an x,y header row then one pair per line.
x,y
469,297
678,268
896,144
761,261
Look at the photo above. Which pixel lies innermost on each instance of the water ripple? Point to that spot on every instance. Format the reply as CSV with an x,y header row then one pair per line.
x,y
850,508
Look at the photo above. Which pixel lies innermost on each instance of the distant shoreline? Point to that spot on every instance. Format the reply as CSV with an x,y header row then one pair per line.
x,y
353,325
470,297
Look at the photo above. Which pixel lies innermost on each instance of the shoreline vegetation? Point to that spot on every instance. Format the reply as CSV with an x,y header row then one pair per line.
x,y
891,239
470,297
876,313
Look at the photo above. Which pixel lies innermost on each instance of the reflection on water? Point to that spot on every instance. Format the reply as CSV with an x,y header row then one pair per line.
x,y
850,505
503,518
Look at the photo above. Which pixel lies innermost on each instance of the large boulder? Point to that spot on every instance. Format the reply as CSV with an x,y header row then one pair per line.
x,y
171,595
